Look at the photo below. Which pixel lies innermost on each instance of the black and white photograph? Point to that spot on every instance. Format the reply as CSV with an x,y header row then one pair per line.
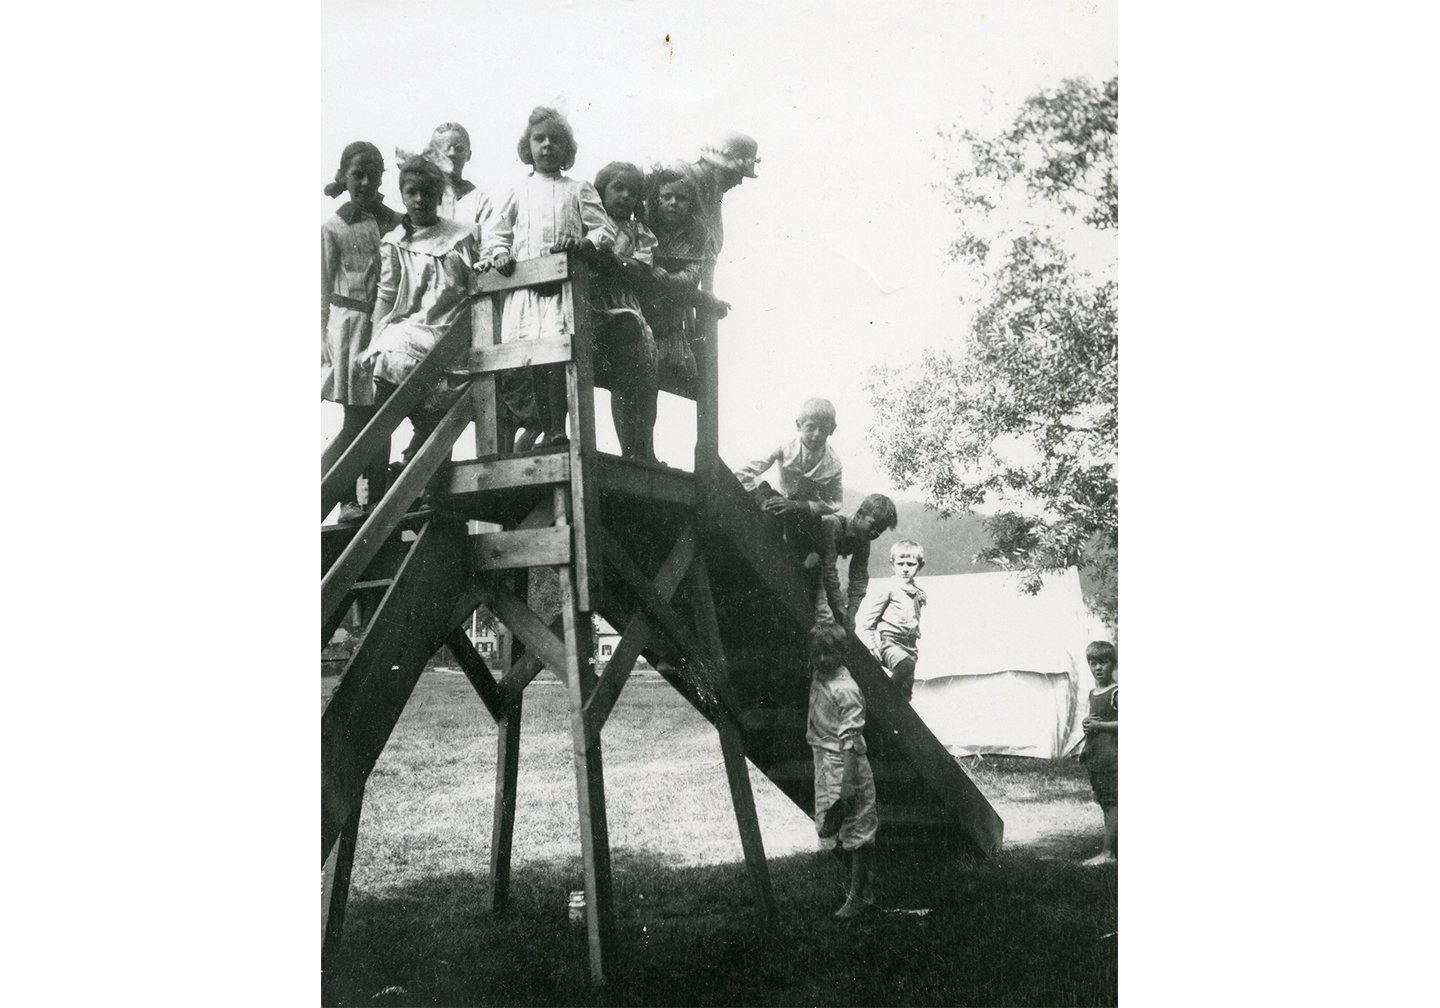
x,y
719,529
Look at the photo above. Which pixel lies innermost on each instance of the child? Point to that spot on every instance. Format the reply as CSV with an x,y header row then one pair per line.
x,y
809,476
849,537
426,272
624,344
844,785
548,212
680,261
889,619
349,273
1102,745
449,149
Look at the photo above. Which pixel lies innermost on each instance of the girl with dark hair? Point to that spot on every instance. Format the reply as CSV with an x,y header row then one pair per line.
x,y
349,274
624,344
547,212
426,274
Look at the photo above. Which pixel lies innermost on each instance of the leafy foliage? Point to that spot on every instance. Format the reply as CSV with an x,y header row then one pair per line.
x,y
1018,415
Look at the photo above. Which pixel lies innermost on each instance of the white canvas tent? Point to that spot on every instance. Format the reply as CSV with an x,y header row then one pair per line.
x,y
1001,671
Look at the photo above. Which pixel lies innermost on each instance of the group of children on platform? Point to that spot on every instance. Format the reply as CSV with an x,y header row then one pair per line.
x,y
394,284
887,621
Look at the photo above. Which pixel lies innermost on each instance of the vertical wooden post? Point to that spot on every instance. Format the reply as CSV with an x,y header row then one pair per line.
x,y
589,767
732,745
336,883
580,397
484,389
507,769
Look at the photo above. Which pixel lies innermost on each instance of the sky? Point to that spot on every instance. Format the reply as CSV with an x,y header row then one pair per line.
x,y
834,258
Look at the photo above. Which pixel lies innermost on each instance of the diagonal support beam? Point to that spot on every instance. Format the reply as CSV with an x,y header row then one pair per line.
x,y
479,674
637,635
523,623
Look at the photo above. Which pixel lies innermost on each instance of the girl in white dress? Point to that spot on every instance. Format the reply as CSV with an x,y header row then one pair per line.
x,y
547,212
349,274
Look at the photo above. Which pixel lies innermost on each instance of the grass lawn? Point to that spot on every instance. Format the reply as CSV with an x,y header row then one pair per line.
x,y
1027,928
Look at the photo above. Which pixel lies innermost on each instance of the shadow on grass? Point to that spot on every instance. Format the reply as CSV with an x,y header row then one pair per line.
x,y
1019,929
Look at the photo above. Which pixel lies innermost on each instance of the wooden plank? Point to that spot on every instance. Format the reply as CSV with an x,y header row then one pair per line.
x,y
485,332
502,831
375,438
475,669
707,400
336,885
659,609
580,396
637,634
528,273
732,747
546,547
643,482
521,621
521,353
589,779
486,475
410,623
386,517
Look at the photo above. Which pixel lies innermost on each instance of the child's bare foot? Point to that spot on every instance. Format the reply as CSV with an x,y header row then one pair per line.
x,y
1099,859
854,906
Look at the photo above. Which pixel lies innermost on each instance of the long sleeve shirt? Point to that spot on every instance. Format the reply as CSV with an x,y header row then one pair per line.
x,y
890,615
541,210
836,718
836,541
812,477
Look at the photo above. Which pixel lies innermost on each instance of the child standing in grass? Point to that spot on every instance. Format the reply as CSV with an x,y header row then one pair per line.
x,y
844,786
349,275
1102,745
888,621
547,212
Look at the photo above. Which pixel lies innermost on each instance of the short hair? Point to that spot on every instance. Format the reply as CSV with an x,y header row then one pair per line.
x,y
881,509
618,169
543,114
1101,649
820,409
662,177
430,175
907,546
449,127
828,633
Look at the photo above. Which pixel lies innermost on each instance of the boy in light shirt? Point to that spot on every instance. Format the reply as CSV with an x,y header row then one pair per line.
x,y
888,621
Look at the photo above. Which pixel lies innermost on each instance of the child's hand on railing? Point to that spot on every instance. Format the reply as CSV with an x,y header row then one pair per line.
x,y
710,304
499,261
569,244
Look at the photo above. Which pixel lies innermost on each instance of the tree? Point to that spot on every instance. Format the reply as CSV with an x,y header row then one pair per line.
x,y
1017,416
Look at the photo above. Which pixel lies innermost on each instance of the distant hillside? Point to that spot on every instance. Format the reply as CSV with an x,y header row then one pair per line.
x,y
950,543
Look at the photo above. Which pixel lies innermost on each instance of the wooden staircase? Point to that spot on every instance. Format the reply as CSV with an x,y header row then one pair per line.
x,y
684,564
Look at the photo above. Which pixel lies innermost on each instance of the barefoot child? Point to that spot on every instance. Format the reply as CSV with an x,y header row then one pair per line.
x,y
426,271
844,786
624,344
888,621
1102,744
547,212
349,274
849,537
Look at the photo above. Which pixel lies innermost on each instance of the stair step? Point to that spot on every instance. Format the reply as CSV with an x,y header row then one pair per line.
x,y
766,718
911,815
367,585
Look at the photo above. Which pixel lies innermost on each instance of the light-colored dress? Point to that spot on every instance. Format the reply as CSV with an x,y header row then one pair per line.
x,y
349,275
611,297
834,726
425,279
680,260
535,215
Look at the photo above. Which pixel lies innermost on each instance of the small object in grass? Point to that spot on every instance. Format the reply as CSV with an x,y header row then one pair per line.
x,y
577,908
